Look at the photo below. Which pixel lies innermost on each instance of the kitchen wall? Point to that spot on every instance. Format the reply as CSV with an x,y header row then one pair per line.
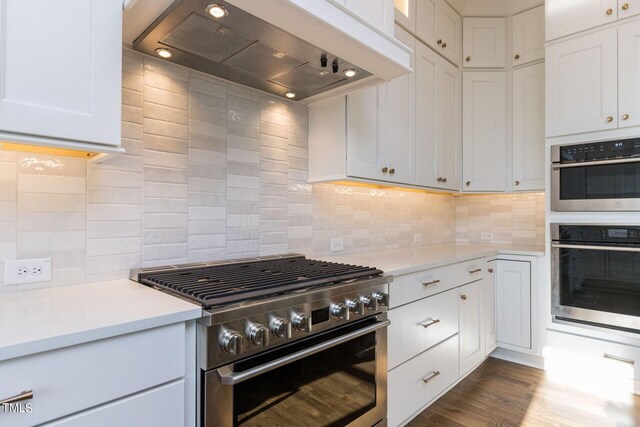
x,y
215,170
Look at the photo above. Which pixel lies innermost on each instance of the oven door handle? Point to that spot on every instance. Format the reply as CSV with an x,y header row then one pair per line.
x,y
557,166
596,248
228,377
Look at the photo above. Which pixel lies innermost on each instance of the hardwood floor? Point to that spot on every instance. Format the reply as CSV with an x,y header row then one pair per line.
x,y
501,393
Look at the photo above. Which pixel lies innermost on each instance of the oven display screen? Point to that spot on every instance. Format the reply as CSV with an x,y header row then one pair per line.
x,y
320,315
618,232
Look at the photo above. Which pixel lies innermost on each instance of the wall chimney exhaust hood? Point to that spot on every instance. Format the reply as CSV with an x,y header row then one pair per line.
x,y
297,51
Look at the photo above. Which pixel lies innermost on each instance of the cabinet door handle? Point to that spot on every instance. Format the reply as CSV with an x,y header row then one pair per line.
x,y
625,6
444,45
429,322
392,171
444,179
433,282
439,41
440,179
25,395
430,377
517,183
517,56
475,270
609,11
468,59
385,169
609,119
625,117
468,183
463,297
490,270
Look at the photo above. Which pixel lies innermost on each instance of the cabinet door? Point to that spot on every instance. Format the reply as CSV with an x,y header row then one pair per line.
x,y
448,148
472,332
528,36
582,84
567,17
426,68
405,13
513,303
627,8
365,128
448,32
491,340
484,42
426,21
60,69
398,144
528,128
628,75
379,13
484,136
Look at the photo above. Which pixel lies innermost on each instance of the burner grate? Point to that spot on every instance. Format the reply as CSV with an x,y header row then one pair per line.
x,y
234,282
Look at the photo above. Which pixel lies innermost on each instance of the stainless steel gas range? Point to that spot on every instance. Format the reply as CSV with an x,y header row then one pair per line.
x,y
286,340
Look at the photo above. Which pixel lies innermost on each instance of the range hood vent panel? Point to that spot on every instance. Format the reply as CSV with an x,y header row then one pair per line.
x,y
243,48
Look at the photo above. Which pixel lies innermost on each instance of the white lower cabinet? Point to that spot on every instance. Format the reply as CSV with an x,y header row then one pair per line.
x,y
418,381
514,303
73,379
491,336
472,333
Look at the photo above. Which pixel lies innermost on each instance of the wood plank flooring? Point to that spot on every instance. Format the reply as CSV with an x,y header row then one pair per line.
x,y
501,393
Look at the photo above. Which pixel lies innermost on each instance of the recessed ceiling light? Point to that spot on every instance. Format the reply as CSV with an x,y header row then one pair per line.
x,y
323,72
350,72
217,10
290,94
164,52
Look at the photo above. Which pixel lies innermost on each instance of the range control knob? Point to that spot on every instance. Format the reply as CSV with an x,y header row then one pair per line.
x,y
369,303
374,300
280,327
381,298
355,306
339,311
301,321
231,342
258,334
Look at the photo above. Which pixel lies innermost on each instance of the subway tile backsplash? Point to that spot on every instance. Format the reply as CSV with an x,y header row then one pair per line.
x,y
215,170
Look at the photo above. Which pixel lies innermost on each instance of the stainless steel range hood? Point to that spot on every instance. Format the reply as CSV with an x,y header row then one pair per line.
x,y
245,49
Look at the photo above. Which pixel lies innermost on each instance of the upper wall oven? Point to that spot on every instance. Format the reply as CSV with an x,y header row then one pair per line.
x,y
600,176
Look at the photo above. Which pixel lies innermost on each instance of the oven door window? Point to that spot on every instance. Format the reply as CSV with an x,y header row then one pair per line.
x,y
600,280
616,181
330,388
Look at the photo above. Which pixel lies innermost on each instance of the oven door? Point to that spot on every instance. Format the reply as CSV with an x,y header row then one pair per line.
x,y
337,378
607,185
596,284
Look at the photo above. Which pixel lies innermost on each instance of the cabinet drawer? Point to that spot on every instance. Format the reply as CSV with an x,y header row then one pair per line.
x,y
75,378
420,325
411,287
408,391
159,407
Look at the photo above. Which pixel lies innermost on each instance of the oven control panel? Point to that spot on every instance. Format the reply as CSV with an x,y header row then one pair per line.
x,y
272,323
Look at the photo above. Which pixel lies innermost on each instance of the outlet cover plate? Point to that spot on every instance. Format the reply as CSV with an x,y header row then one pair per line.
x,y
22,271
417,237
486,236
337,245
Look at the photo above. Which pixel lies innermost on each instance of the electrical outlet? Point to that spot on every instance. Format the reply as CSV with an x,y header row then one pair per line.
x,y
486,236
337,245
21,271
417,237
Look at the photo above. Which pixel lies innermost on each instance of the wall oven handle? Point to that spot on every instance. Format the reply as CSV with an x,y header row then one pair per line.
x,y
228,377
596,248
556,166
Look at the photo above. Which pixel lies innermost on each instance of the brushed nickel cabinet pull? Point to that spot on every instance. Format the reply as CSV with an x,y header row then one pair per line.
x,y
468,183
439,41
392,171
618,359
517,56
25,395
444,179
475,270
385,169
444,45
625,117
490,270
433,282
463,297
440,179
517,183
468,59
430,377
609,119
429,322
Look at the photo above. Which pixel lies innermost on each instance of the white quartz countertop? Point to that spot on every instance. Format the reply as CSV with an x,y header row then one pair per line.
x,y
38,320
410,260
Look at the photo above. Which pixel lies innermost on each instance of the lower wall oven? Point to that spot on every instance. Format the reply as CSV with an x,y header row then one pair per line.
x,y
335,378
595,275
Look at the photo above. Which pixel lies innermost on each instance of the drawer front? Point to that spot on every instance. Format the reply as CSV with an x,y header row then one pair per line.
x,y
75,378
411,287
159,407
420,325
408,391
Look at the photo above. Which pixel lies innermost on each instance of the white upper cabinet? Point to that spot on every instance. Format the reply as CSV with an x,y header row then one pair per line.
x,y
484,131
628,74
514,303
528,128
379,13
426,18
438,121
448,32
528,36
484,42
565,17
405,14
60,68
582,84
